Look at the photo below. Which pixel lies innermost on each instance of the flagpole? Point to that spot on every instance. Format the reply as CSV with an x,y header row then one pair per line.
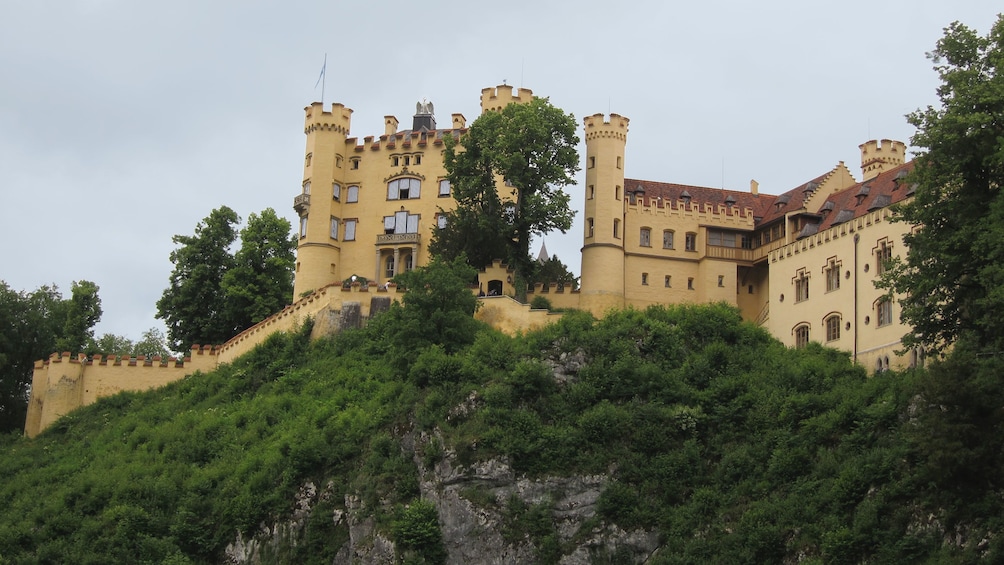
x,y
321,79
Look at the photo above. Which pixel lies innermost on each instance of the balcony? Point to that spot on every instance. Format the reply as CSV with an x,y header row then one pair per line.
x,y
301,203
733,253
398,238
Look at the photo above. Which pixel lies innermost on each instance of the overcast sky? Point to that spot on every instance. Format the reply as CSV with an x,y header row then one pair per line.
x,y
123,122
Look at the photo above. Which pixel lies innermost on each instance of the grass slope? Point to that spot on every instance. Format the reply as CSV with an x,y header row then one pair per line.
x,y
734,447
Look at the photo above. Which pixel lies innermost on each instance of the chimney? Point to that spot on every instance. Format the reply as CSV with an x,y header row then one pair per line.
x,y
754,187
390,125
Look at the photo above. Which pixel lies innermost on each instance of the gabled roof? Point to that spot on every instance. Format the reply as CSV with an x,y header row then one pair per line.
x,y
855,201
792,200
665,193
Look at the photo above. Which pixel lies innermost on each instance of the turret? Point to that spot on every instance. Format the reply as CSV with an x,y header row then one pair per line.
x,y
494,99
603,239
317,252
877,158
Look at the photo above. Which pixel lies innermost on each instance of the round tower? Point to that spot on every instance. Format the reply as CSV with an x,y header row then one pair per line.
x,y
494,99
319,203
602,286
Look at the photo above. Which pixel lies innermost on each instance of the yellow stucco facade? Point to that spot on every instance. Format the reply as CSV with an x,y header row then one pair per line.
x,y
802,263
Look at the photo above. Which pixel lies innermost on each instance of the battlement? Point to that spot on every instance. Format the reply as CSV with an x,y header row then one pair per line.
x,y
400,140
494,99
876,157
598,126
720,214
339,119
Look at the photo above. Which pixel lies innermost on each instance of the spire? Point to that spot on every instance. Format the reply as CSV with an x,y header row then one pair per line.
x,y
543,257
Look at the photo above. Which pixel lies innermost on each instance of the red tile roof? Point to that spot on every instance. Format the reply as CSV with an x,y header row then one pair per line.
x,y
885,189
665,193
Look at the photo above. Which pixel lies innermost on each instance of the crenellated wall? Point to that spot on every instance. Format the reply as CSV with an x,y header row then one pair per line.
x,y
63,383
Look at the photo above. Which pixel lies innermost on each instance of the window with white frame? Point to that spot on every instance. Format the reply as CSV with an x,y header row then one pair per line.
x,y
645,237
350,230
303,226
441,221
306,187
353,194
336,191
883,254
403,189
444,187
400,222
389,266
334,228
691,242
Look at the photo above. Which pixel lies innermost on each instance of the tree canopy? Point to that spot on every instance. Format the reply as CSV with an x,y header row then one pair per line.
x,y
214,294
531,148
952,280
32,326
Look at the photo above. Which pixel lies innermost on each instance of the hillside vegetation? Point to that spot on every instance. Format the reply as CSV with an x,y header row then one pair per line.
x,y
732,447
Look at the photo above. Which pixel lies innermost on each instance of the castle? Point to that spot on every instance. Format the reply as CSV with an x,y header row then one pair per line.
x,y
801,264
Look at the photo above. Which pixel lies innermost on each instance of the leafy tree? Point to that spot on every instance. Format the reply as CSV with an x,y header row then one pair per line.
x,y
952,280
194,305
152,343
553,270
82,311
437,309
532,148
260,282
110,344
32,326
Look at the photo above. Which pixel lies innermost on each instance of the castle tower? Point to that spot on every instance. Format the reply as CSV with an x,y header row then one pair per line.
x,y
494,99
877,158
602,284
318,204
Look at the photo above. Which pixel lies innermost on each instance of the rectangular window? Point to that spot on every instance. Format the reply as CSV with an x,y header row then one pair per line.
x,y
441,221
353,195
645,237
721,280
690,283
883,255
355,164
303,226
350,230
334,228
832,276
592,162
667,281
884,313
667,239
644,279
336,191
691,242
617,228
306,187
444,187
589,227
801,288
592,192
400,222
833,328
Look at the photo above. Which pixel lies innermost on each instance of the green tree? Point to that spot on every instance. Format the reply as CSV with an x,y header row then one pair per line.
x,y
553,270
152,343
952,279
110,344
194,305
531,147
83,310
32,326
260,282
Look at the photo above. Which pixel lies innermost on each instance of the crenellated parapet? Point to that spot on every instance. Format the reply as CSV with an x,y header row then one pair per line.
x,y
338,120
597,126
494,99
65,382
877,157
719,214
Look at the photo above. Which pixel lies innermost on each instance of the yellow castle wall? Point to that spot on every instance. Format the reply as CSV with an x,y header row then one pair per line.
x,y
854,245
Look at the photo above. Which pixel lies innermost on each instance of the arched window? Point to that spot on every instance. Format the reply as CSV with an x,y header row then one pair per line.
x,y
832,324
353,195
403,189
801,335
